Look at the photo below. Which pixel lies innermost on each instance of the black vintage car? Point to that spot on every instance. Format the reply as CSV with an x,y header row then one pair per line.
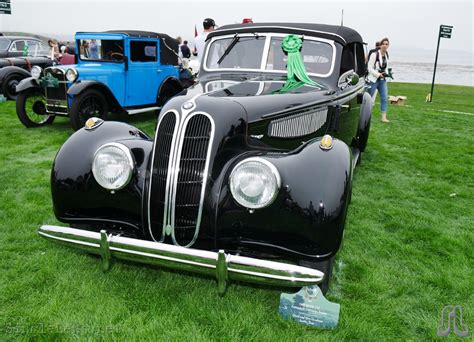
x,y
17,56
249,176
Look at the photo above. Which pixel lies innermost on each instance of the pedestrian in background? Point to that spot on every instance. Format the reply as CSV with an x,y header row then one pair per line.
x,y
54,49
209,25
377,73
185,51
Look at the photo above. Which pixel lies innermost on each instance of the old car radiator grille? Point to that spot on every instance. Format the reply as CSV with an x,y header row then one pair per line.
x,y
180,168
161,160
59,92
298,125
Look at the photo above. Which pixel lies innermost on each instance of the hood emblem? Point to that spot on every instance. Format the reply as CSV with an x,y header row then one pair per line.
x,y
188,105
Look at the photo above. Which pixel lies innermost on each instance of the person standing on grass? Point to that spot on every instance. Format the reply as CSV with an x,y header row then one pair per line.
x,y
377,67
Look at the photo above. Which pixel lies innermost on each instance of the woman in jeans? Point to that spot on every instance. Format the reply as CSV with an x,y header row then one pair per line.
x,y
377,67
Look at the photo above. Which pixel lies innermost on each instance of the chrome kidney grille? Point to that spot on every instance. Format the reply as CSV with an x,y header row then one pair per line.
x,y
297,125
179,173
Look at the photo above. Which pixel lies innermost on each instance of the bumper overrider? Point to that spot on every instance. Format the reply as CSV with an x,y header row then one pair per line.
x,y
223,266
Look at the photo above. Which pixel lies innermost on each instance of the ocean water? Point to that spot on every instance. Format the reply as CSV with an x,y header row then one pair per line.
x,y
416,66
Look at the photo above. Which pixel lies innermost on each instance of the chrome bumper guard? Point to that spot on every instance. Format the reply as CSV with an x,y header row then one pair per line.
x,y
219,264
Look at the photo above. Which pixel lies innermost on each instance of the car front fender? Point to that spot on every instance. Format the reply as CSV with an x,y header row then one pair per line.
x,y
308,215
78,198
27,83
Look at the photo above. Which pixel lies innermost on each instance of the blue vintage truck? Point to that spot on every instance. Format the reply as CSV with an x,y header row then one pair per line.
x,y
116,71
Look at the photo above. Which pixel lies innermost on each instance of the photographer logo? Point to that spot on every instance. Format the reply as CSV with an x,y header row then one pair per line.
x,y
451,320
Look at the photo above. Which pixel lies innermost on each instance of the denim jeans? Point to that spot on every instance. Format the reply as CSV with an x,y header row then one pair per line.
x,y
381,86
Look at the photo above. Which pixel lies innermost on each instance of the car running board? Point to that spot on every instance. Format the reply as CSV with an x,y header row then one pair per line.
x,y
141,110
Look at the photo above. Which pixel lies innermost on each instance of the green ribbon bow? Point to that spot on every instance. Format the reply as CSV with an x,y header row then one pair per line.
x,y
50,81
291,45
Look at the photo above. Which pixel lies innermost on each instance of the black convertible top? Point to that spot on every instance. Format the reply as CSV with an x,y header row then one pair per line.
x,y
341,34
141,34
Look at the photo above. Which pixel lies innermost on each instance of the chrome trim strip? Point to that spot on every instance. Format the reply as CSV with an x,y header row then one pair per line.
x,y
270,28
151,173
204,182
141,110
169,176
219,265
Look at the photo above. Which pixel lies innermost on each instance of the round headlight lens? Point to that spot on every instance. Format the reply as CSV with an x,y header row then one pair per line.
x,y
254,183
113,166
36,72
71,75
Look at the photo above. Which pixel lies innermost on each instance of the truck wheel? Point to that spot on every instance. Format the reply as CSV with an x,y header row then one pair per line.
x,y
31,109
90,103
9,85
326,267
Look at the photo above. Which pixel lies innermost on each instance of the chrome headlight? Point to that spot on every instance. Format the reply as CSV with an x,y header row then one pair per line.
x,y
36,72
113,166
254,183
71,75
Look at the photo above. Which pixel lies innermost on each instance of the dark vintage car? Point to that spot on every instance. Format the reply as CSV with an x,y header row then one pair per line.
x,y
249,176
18,55
17,46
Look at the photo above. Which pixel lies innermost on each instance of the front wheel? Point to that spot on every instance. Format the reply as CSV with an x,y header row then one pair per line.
x,y
31,109
90,103
9,86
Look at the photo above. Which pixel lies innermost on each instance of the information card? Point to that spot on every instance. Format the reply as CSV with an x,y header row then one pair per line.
x,y
309,306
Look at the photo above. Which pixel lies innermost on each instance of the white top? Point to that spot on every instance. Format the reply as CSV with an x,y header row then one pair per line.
x,y
200,41
373,66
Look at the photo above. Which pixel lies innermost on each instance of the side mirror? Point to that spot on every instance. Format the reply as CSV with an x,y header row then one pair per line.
x,y
354,79
349,78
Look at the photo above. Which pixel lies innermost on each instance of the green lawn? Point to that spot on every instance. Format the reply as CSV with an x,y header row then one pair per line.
x,y
408,248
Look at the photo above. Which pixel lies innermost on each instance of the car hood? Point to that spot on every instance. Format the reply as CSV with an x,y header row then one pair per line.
x,y
262,95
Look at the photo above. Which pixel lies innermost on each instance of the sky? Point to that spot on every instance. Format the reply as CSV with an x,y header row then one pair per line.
x,y
408,24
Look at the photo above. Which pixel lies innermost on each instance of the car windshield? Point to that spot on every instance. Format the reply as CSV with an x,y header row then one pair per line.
x,y
101,50
4,43
247,52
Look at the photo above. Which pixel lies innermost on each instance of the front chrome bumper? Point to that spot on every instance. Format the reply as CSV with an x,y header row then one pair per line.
x,y
219,264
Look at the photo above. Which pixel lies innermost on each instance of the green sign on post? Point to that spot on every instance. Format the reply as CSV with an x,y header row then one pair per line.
x,y
445,31
5,7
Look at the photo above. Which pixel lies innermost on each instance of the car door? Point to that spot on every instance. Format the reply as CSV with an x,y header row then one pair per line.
x,y
144,75
349,103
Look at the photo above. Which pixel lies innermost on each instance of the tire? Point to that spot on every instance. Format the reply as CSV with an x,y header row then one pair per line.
x,y
9,85
169,90
88,104
324,266
31,109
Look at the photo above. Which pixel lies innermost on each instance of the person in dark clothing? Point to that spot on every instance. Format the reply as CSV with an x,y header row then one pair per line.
x,y
185,50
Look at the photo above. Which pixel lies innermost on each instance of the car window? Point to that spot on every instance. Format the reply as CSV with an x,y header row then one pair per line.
x,y
35,48
4,43
246,53
17,46
101,50
317,56
142,51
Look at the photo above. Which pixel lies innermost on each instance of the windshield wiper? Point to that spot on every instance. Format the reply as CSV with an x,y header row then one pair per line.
x,y
230,47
